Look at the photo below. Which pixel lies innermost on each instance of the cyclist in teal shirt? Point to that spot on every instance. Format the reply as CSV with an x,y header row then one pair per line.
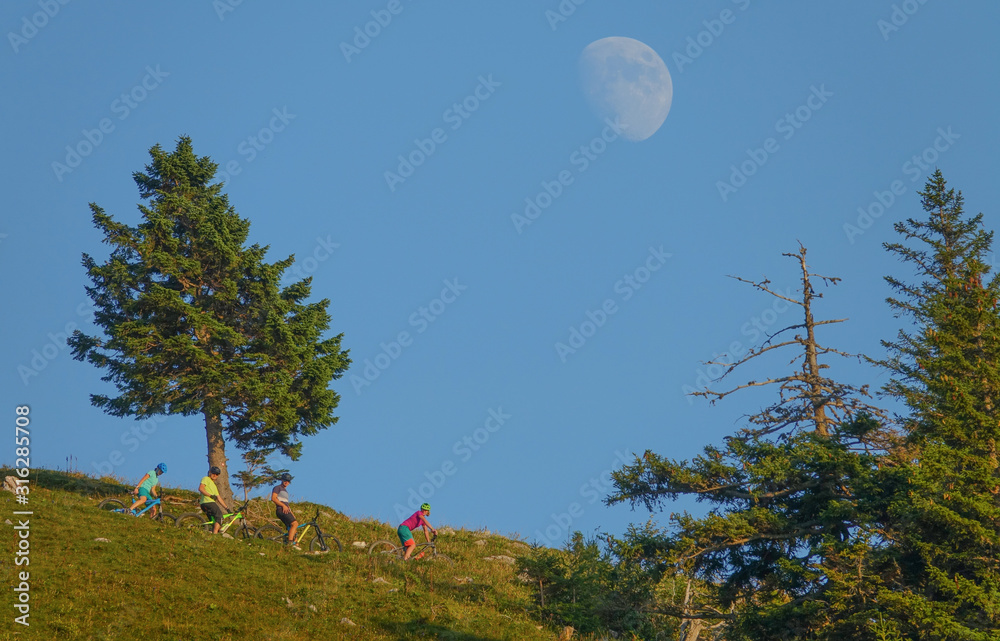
x,y
146,489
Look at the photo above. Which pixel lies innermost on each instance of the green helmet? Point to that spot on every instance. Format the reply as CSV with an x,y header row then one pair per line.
x,y
426,507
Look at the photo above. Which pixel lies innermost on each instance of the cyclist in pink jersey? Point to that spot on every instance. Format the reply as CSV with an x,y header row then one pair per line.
x,y
417,519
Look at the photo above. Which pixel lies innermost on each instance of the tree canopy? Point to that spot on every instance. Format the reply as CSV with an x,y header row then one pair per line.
x,y
194,320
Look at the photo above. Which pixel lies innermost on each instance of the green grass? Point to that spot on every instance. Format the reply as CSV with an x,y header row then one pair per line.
x,y
154,582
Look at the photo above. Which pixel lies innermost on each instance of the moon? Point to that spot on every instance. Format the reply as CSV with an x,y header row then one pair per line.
x,y
625,78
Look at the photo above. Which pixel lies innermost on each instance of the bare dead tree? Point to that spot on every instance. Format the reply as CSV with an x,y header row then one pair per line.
x,y
783,489
808,399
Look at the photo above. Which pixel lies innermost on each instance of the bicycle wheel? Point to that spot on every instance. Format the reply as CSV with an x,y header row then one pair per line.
x,y
111,505
386,550
429,554
193,521
439,558
271,533
166,518
332,544
245,532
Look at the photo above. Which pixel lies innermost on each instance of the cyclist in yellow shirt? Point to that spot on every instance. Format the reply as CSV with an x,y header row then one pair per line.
x,y
210,499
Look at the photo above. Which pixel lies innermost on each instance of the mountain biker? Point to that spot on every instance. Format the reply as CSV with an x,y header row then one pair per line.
x,y
210,499
417,519
279,496
146,489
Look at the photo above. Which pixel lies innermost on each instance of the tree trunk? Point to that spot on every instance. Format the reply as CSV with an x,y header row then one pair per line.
x,y
691,629
217,452
811,366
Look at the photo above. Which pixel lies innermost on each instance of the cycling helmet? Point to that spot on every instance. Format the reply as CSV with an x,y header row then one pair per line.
x,y
215,470
426,507
286,477
162,467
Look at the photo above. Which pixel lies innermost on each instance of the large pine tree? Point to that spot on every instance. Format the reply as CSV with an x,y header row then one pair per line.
x,y
945,521
194,320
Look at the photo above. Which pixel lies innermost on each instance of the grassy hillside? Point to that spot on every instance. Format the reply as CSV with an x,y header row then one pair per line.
x,y
153,582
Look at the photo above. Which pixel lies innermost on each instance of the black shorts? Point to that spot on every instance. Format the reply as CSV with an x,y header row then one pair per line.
x,y
212,510
285,517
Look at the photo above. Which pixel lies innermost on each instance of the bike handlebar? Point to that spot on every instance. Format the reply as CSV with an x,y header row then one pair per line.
x,y
238,510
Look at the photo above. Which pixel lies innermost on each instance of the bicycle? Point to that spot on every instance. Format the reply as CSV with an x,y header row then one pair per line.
x,y
121,507
319,543
427,551
196,520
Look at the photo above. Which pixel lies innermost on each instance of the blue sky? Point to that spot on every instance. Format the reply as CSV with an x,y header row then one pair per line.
x,y
784,122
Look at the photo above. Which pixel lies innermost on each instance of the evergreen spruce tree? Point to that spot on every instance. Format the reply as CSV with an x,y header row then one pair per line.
x,y
945,525
258,473
785,551
194,320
